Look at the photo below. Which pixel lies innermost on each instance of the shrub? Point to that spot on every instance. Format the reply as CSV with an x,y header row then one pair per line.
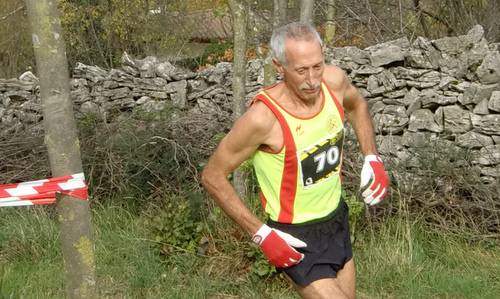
x,y
175,225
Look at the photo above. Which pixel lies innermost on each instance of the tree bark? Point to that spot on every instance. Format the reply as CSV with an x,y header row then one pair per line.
x,y
239,15
307,11
280,8
330,23
418,10
63,146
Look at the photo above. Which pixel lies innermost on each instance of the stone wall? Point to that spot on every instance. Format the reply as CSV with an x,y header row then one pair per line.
x,y
444,92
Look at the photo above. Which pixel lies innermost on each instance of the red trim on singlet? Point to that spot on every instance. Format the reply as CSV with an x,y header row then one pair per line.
x,y
264,147
289,178
337,103
263,200
321,98
340,109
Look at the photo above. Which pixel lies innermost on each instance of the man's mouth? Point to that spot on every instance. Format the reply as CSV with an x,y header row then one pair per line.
x,y
310,90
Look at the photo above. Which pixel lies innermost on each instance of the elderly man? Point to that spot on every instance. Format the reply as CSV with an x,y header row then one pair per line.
x,y
294,131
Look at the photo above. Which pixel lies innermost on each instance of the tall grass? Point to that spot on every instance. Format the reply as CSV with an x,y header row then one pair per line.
x,y
129,261
399,258
405,260
158,237
30,255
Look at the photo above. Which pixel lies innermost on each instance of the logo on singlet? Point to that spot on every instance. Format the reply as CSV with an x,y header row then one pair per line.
x,y
298,130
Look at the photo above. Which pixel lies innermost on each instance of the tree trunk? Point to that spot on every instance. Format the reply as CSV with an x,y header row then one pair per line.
x,y
280,9
418,11
330,23
279,19
306,11
63,146
239,13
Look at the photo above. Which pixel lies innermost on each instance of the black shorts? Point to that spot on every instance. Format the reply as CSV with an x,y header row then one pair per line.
x,y
328,246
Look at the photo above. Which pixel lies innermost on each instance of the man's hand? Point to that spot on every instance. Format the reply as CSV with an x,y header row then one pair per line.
x,y
374,181
277,246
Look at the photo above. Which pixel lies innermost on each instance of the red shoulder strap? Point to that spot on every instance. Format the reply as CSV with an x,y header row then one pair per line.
x,y
340,109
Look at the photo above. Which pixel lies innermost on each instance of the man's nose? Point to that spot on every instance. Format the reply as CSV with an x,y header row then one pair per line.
x,y
311,78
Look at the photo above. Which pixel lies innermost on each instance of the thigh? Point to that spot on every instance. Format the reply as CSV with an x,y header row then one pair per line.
x,y
321,289
342,287
347,279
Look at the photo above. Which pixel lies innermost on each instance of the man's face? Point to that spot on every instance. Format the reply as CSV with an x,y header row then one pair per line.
x,y
304,69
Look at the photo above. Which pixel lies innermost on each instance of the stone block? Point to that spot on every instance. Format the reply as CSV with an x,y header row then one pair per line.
x,y
417,139
486,124
489,70
423,120
488,155
481,108
494,102
456,119
473,140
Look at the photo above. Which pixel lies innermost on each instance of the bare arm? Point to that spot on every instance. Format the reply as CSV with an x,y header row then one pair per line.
x,y
247,134
359,116
356,108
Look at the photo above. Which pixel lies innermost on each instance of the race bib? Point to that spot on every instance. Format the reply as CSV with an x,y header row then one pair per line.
x,y
321,161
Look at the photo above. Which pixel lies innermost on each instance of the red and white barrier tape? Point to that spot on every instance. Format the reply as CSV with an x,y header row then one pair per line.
x,y
43,192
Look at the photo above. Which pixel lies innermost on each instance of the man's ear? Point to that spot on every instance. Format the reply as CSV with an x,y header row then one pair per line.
x,y
279,67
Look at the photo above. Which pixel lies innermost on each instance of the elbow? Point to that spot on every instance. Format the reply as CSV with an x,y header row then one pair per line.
x,y
361,105
211,182
364,105
360,109
209,179
205,178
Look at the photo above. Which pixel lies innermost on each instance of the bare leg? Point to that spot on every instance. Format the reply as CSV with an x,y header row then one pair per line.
x,y
347,279
342,287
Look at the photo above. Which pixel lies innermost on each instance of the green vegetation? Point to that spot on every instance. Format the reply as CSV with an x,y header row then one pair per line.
x,y
98,32
396,259
405,260
156,233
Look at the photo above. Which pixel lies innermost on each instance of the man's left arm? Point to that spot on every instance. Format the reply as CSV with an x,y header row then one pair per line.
x,y
374,180
358,115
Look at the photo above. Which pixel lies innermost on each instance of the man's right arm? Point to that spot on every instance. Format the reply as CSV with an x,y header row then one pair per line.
x,y
248,133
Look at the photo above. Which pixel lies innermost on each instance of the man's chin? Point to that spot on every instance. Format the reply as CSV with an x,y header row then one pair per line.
x,y
310,94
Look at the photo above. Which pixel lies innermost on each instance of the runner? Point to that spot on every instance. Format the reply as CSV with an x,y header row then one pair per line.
x,y
294,131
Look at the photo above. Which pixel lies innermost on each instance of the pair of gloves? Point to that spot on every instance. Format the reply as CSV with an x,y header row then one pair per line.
x,y
279,246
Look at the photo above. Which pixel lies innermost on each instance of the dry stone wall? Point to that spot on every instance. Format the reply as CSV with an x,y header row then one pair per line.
x,y
443,92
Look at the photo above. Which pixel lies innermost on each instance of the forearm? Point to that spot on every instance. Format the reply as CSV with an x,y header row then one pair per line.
x,y
362,123
226,197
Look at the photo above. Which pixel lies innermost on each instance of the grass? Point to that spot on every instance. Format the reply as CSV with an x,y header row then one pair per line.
x,y
398,259
404,260
30,259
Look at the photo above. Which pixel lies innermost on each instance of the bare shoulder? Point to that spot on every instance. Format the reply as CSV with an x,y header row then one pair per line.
x,y
256,123
248,133
335,77
260,116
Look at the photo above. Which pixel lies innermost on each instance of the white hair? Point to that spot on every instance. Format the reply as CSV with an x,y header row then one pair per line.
x,y
295,30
